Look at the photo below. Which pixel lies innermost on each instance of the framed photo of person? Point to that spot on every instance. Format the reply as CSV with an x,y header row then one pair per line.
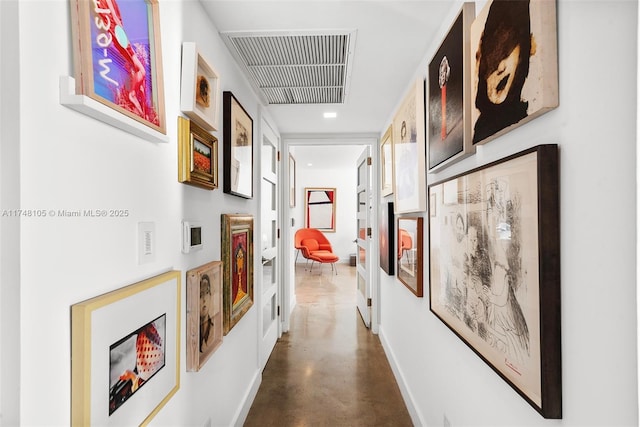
x,y
197,155
238,148
200,88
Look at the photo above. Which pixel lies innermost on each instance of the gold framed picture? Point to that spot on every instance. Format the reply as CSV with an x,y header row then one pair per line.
x,y
197,155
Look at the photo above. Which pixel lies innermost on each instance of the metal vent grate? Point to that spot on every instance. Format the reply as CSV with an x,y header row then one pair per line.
x,y
296,68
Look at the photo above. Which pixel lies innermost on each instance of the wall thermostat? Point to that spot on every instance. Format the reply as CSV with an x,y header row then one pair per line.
x,y
191,236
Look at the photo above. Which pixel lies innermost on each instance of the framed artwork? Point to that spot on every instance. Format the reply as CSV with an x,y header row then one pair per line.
x,y
238,148
409,254
237,258
386,162
117,57
292,181
204,313
449,87
197,155
514,65
495,273
409,152
320,208
200,88
123,346
386,228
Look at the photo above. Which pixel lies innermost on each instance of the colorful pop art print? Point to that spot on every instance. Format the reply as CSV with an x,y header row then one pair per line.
x,y
237,258
514,65
117,57
494,269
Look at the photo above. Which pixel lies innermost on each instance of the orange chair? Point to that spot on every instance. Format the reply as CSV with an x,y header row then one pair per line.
x,y
405,242
315,246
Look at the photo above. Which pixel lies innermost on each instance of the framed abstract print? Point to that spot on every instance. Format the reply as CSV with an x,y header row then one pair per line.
x,y
117,57
409,256
237,258
386,162
495,269
386,233
204,313
197,155
238,148
125,353
409,152
320,208
449,95
514,65
200,88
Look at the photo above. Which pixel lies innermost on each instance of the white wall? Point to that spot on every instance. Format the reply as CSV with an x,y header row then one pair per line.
x,y
71,161
595,127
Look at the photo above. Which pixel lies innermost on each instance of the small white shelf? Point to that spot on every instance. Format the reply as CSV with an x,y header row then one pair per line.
x,y
97,110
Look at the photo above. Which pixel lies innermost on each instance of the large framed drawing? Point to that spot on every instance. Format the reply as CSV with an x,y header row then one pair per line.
x,y
409,152
449,99
117,57
200,88
204,313
197,155
237,258
386,232
410,253
495,269
320,208
123,346
238,148
514,65
386,162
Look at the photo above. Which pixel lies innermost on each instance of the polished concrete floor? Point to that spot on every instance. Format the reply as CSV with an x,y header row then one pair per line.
x,y
329,369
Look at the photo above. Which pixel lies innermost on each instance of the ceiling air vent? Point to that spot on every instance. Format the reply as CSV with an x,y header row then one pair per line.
x,y
296,68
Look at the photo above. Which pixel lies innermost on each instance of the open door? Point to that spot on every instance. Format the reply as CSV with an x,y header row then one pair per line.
x,y
363,240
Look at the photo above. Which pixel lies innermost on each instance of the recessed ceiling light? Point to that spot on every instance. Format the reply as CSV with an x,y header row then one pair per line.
x,y
309,164
330,115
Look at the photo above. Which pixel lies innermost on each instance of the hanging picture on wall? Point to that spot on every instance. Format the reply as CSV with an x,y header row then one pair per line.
x,y
197,155
238,148
204,313
117,57
449,88
409,254
292,181
237,258
125,354
494,269
320,208
386,231
200,88
386,162
409,152
514,65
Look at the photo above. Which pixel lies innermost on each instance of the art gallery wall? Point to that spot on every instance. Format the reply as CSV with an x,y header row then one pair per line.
x,y
443,381
69,161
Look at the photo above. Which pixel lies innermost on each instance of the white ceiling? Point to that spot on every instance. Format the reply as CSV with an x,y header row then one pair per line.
x,y
391,43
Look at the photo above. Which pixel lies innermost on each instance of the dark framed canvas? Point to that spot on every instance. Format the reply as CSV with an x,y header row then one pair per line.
x,y
238,148
125,353
117,57
237,259
197,155
409,254
386,230
320,208
449,95
494,256
514,65
204,313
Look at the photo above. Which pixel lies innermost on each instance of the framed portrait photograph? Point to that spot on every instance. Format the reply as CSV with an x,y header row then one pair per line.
x,y
292,181
514,65
204,313
197,155
494,256
409,256
386,162
125,353
237,258
117,57
386,233
320,208
449,95
238,148
200,88
409,152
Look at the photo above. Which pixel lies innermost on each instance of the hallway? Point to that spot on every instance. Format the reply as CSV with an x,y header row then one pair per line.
x,y
329,370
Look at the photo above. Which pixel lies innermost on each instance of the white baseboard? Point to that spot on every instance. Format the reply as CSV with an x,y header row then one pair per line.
x,y
241,416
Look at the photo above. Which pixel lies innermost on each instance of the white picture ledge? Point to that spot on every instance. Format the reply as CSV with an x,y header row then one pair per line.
x,y
97,110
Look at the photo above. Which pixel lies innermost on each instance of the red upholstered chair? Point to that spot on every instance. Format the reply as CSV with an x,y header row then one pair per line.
x,y
315,246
